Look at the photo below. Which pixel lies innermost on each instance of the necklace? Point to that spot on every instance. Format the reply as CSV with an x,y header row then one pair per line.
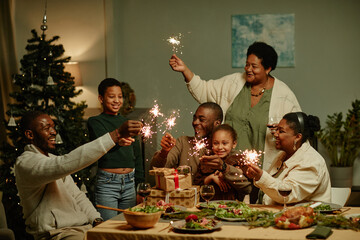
x,y
259,94
262,90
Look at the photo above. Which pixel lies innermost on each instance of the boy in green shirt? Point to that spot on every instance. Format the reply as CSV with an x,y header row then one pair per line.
x,y
122,167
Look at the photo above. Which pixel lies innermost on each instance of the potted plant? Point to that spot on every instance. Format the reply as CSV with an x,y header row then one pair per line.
x,y
341,138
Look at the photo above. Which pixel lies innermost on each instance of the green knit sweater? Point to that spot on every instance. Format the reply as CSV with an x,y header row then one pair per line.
x,y
118,156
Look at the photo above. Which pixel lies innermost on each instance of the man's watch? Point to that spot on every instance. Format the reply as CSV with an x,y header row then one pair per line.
x,y
97,221
224,167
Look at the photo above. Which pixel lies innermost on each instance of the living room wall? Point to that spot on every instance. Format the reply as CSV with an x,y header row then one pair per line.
x,y
126,39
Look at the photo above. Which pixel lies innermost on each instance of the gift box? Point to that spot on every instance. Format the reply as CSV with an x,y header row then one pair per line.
x,y
187,198
168,179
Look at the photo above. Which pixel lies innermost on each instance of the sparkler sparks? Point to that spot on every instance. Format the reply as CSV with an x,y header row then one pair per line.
x,y
251,157
151,121
155,111
198,145
146,131
170,122
175,43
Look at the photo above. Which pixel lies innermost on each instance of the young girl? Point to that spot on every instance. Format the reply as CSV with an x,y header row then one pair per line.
x,y
224,140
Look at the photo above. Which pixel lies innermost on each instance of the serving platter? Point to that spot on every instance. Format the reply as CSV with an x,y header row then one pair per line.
x,y
334,207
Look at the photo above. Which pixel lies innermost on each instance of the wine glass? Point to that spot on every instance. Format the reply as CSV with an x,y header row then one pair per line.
x,y
273,121
207,192
144,190
284,190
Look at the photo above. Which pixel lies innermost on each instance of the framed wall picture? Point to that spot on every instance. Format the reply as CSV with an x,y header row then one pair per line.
x,y
277,30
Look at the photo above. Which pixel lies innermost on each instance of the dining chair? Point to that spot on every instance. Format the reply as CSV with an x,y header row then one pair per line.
x,y
340,195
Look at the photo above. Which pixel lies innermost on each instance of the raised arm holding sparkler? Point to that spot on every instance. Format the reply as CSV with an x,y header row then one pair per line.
x,y
179,66
249,99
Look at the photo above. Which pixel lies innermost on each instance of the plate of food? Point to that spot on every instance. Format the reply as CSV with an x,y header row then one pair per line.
x,y
324,207
295,218
170,208
230,214
355,217
221,204
193,224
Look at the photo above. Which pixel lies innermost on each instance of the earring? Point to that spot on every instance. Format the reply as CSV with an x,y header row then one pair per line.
x,y
294,145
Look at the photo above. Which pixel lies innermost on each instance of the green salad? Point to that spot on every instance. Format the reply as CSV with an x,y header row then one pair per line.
x,y
193,222
146,209
323,207
224,204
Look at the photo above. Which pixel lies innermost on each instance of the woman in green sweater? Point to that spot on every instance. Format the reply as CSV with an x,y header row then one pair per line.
x,y
122,167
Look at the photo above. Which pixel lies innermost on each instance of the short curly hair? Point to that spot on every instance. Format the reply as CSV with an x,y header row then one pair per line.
x,y
264,52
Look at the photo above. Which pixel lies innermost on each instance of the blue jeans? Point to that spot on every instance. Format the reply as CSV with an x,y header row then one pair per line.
x,y
114,190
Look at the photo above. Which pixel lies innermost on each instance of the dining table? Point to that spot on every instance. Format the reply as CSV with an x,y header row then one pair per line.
x,y
118,228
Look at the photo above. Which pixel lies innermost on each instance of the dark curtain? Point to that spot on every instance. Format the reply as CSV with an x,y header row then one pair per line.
x,y
8,63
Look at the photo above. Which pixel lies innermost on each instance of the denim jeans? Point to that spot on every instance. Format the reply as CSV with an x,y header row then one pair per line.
x,y
114,190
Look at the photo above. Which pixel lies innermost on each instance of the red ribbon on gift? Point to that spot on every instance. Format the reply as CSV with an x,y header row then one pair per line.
x,y
159,182
176,179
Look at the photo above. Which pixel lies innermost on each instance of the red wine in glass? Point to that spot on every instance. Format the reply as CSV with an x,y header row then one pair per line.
x,y
144,190
284,190
207,196
144,193
285,193
207,192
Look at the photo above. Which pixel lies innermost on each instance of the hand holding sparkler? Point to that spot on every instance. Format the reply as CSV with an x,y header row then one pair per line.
x,y
167,143
254,172
128,129
213,162
178,65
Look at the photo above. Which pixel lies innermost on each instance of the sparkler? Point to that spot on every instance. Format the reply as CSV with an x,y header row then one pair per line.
x,y
155,111
170,122
250,157
198,145
175,43
151,119
146,131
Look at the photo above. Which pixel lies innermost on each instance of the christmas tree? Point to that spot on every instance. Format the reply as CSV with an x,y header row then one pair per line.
x,y
42,85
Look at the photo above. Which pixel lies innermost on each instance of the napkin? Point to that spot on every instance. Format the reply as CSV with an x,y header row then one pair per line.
x,y
320,232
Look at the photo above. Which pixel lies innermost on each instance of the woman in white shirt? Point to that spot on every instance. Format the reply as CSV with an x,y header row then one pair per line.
x,y
298,164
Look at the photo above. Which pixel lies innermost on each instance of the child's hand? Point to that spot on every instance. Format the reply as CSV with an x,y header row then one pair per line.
x,y
223,185
126,141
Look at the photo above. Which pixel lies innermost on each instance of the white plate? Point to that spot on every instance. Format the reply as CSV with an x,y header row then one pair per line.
x,y
334,207
182,208
231,219
179,226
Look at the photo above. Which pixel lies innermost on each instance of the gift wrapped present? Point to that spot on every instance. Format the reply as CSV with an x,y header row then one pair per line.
x,y
168,179
187,198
